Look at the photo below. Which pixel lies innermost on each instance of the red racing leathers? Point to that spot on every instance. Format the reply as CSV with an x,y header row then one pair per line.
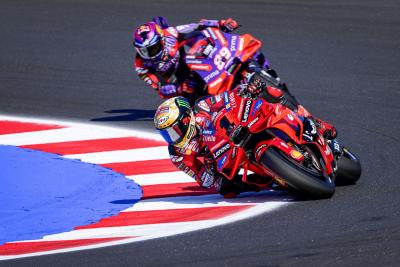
x,y
195,159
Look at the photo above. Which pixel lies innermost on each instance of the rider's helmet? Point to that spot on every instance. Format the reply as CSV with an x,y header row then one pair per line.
x,y
175,120
149,40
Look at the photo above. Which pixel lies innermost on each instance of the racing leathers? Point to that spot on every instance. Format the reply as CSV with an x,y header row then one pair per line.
x,y
195,158
171,76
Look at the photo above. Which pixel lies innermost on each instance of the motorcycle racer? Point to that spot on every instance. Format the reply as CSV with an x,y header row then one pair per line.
x,y
186,130
159,59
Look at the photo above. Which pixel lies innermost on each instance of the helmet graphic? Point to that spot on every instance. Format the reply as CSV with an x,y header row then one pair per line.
x,y
175,120
149,40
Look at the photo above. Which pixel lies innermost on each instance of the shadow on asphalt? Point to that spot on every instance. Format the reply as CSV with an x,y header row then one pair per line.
x,y
247,197
127,115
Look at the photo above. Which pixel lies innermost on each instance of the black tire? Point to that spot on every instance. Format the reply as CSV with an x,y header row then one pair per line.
x,y
305,182
349,169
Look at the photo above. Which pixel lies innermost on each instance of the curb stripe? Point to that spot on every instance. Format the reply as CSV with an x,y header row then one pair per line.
x,y
139,154
142,167
97,145
172,202
31,247
165,216
161,178
174,190
12,127
57,135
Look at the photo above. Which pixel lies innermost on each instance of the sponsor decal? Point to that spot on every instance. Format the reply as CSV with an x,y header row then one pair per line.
x,y
246,111
206,34
182,103
193,146
191,174
208,138
257,106
163,119
284,145
296,154
327,151
217,81
233,152
200,67
221,162
241,44
194,61
290,117
220,37
211,75
253,122
212,34
206,179
258,150
176,159
233,43
203,105
232,100
221,150
226,101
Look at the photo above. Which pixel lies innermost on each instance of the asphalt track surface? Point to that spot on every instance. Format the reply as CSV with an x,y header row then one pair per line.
x,y
72,60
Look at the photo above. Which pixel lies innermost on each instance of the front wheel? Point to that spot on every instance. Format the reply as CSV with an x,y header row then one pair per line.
x,y
305,181
349,168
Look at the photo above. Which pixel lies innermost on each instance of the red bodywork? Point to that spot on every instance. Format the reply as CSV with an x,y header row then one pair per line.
x,y
257,116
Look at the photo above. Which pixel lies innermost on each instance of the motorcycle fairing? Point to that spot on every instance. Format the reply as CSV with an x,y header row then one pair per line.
x,y
212,54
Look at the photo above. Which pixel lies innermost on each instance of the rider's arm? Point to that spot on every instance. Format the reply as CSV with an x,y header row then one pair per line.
x,y
155,80
227,25
197,169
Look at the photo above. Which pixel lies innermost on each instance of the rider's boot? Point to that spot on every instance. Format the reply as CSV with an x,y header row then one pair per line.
x,y
230,189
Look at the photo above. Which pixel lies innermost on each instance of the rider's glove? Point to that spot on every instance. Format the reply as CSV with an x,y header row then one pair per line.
x,y
256,86
228,25
168,90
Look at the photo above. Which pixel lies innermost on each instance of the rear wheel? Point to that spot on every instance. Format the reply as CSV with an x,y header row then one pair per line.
x,y
308,181
349,169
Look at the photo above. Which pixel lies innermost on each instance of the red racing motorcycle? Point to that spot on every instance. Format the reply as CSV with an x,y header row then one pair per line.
x,y
267,139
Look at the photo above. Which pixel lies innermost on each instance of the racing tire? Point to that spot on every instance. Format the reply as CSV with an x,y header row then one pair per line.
x,y
307,183
349,169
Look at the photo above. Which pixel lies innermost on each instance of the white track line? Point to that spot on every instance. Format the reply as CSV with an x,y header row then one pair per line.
x,y
264,198
57,135
123,231
139,154
161,178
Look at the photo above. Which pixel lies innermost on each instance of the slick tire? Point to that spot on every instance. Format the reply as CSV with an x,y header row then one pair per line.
x,y
305,182
349,169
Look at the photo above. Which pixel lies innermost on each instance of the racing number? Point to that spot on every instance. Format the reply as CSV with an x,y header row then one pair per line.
x,y
222,57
